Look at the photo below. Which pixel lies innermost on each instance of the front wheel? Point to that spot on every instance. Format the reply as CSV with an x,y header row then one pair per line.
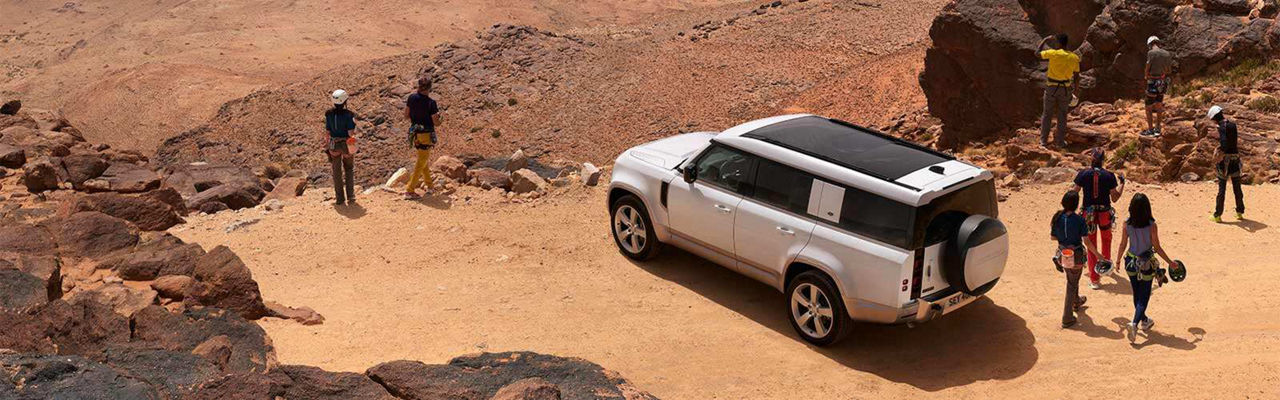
x,y
817,312
632,229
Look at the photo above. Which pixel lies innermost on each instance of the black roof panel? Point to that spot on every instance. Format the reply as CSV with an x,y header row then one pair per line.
x,y
851,146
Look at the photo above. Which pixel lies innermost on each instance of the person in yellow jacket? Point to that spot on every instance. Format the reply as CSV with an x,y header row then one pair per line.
x,y
424,118
1062,84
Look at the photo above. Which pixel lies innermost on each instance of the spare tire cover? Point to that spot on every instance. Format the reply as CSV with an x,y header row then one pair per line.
x,y
976,255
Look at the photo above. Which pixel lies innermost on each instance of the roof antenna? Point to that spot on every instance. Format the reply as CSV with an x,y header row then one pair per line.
x,y
937,169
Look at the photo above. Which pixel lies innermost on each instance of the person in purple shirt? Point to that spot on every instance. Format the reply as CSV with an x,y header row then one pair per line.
x,y
1100,187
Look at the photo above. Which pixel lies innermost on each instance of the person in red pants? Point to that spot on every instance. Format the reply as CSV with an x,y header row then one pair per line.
x,y
1100,187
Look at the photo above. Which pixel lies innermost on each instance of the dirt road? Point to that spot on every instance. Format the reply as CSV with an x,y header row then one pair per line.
x,y
431,281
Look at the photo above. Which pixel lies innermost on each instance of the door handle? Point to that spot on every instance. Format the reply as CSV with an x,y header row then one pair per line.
x,y
723,208
786,231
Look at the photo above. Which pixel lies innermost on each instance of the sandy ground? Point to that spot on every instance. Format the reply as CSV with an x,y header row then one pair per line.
x,y
433,280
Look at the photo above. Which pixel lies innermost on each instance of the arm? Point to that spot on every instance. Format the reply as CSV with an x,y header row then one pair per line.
x,y
1146,70
1118,191
1075,84
1124,244
435,120
1155,243
1088,244
1043,43
406,114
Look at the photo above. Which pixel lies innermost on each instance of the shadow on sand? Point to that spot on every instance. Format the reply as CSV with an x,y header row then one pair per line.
x,y
1155,337
1248,225
983,341
351,211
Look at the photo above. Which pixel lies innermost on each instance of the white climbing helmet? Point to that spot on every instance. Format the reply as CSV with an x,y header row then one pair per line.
x,y
1214,111
1152,40
339,96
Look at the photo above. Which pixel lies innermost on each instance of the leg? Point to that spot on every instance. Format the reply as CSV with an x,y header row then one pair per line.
x,y
1105,249
1222,191
1092,261
336,163
1141,297
1235,186
1159,111
416,177
1072,297
1064,105
424,158
1150,120
1046,118
348,167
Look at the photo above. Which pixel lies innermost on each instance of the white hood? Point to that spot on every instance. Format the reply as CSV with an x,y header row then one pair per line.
x,y
669,152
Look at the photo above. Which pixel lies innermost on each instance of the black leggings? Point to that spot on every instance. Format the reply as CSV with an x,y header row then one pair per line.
x,y
1229,170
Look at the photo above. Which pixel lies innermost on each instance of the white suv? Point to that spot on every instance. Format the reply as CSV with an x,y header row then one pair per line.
x,y
850,223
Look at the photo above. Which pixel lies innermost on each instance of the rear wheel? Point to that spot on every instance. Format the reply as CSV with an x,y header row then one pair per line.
x,y
632,229
816,309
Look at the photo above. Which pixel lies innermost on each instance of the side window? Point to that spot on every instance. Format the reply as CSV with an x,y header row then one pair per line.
x,y
725,167
882,219
782,186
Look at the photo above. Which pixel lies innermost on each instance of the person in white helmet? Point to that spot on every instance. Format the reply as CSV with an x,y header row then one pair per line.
x,y
339,122
1159,65
1227,163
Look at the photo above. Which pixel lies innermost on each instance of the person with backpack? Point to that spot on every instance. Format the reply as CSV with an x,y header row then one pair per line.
x,y
1100,187
1141,242
1069,230
1159,65
339,122
1227,163
1062,85
424,118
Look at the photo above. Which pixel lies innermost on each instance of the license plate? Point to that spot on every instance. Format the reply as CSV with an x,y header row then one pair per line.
x,y
956,301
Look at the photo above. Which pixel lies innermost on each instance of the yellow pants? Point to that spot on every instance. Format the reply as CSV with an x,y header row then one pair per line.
x,y
422,169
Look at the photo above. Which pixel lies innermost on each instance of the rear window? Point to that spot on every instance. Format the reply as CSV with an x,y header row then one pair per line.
x,y
877,217
935,221
910,227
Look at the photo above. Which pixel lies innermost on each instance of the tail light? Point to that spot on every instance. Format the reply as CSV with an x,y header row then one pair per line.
x,y
917,274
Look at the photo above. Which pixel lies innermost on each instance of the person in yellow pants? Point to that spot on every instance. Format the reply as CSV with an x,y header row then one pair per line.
x,y
424,117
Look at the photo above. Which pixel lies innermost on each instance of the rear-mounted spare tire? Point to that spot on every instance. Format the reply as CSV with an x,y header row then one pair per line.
x,y
976,254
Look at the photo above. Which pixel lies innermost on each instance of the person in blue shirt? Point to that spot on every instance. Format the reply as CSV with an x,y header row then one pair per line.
x,y
1069,230
1100,187
339,122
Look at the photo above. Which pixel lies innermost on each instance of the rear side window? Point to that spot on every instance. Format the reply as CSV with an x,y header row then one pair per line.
x,y
782,186
877,217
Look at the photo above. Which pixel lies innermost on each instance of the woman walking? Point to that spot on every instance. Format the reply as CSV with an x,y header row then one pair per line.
x,y
1141,238
1070,230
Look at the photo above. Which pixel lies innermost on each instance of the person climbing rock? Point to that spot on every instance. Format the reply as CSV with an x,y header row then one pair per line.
x,y
1069,230
1159,66
339,122
1062,84
1101,187
1227,163
424,118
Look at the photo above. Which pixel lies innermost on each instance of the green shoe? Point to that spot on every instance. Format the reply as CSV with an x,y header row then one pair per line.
x,y
1216,219
1240,216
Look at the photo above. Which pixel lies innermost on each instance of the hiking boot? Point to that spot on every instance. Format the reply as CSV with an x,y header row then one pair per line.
x,y
1240,216
1217,219
1146,325
1068,324
1133,332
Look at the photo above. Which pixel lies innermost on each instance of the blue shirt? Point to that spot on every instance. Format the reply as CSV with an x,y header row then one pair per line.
x,y
1069,229
1097,184
339,122
421,108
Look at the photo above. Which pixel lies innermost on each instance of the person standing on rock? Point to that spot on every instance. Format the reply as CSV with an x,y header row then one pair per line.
x,y
340,121
1227,163
1062,85
1069,230
1159,65
424,117
1100,187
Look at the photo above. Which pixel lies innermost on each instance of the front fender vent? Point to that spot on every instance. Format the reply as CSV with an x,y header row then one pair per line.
x,y
662,195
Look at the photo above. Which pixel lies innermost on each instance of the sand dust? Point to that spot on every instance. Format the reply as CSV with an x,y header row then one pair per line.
x,y
430,281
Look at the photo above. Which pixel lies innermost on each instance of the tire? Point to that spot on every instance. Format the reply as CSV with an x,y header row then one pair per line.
x,y
974,231
633,229
799,295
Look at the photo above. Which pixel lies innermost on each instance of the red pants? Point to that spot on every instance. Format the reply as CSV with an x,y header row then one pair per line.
x,y
1103,219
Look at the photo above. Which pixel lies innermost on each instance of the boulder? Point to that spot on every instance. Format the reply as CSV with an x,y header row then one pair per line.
x,y
251,349
239,386
11,107
172,373
170,196
125,178
398,178
216,350
34,376
20,291
145,213
27,239
173,287
82,327
122,299
12,157
525,181
40,176
517,161
185,177
1017,154
528,389
213,207
306,382
47,268
489,178
234,195
223,281
83,167
302,315
288,188
1233,7
1053,175
451,168
482,376
93,234
590,174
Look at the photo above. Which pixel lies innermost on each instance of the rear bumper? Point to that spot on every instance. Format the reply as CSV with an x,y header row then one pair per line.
x,y
935,305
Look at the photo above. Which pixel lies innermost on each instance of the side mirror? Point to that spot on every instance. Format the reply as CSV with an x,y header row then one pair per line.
x,y
690,173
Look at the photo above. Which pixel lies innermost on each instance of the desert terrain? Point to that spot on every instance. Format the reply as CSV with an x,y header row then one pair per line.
x,y
397,279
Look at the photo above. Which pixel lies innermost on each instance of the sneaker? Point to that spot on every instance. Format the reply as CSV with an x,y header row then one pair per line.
x,y
411,196
1080,304
1068,324
1240,216
1094,285
1217,219
1146,325
1148,132
1156,132
1133,333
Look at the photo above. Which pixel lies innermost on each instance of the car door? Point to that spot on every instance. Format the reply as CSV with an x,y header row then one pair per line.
x,y
703,211
770,228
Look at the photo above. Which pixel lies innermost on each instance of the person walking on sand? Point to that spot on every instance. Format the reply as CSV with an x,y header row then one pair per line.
x,y
1159,65
1068,228
1141,238
424,118
1062,85
339,122
1227,163
1101,188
